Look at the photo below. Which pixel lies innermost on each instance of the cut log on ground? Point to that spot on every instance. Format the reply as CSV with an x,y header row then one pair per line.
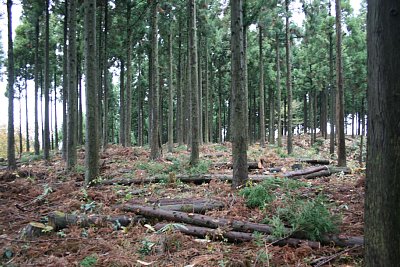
x,y
196,179
228,224
233,236
314,172
185,205
316,161
229,165
59,220
35,229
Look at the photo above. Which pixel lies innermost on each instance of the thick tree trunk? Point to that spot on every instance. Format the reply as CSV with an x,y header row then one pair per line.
x,y
105,78
340,89
239,97
382,201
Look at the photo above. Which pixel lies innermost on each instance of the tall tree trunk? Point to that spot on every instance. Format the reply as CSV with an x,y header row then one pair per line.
x,y
26,111
220,136
80,97
278,90
194,155
72,79
65,83
37,144
170,96
353,114
122,101
324,106
239,100
340,89
288,82
179,96
12,165
207,127
155,138
382,202
305,113
271,128
261,86
200,89
46,145
105,77
128,107
92,136
140,102
20,121
55,112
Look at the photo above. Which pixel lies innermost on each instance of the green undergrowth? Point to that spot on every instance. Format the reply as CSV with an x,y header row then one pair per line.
x,y
179,165
285,206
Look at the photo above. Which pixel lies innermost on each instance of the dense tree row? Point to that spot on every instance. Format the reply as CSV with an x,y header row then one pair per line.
x,y
161,73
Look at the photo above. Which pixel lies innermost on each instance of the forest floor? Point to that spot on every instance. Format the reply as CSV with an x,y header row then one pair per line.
x,y
39,188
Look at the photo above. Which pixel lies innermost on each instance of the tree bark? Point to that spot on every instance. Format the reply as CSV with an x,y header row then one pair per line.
x,y
36,143
288,82
72,95
155,138
170,96
105,78
382,201
65,84
122,103
239,97
340,89
92,136
278,90
46,135
261,86
128,105
12,165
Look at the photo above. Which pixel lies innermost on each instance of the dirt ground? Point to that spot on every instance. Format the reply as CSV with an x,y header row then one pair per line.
x,y
38,188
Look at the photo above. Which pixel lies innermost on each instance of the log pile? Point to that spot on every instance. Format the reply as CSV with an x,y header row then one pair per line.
x,y
314,172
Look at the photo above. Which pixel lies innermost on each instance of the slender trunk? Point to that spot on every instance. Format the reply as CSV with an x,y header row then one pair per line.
x,y
179,109
278,89
80,105
332,95
305,113
55,112
122,139
170,98
140,102
315,108
105,77
20,122
37,144
340,89
220,138
46,145
360,159
261,86
26,112
207,127
353,114
155,137
128,107
65,84
324,106
72,96
288,82
271,129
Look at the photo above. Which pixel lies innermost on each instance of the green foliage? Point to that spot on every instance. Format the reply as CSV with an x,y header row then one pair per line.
x,y
89,261
146,247
201,168
312,217
281,153
256,196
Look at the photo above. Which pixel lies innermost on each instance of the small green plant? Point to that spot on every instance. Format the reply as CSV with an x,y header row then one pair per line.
x,y
46,191
146,247
257,196
80,169
89,261
279,230
281,152
88,207
201,168
61,234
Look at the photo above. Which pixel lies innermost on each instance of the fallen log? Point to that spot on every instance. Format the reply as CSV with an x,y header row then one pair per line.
x,y
236,225
59,220
251,165
233,236
184,205
316,161
319,171
196,179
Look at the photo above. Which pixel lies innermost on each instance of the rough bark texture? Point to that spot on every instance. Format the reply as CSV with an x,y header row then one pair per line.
x,y
332,92
128,106
382,202
122,137
239,99
154,133
170,96
92,136
340,89
72,80
288,83
105,77
46,133
36,143
261,87
195,138
278,90
12,165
